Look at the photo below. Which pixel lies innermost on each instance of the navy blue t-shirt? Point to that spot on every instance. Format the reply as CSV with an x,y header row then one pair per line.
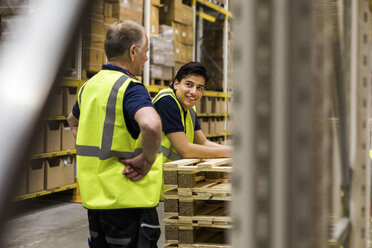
x,y
169,113
135,97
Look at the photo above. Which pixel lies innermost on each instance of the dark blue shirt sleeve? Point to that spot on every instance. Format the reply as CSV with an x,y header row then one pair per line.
x,y
170,116
76,110
169,113
136,97
197,125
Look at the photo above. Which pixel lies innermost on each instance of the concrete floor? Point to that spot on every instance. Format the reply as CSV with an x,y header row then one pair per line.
x,y
52,221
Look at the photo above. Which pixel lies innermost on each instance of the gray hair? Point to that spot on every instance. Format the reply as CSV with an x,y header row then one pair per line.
x,y
121,36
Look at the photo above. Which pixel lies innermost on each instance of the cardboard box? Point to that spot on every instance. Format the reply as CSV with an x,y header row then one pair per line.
x,y
220,125
204,125
55,103
112,10
156,2
206,103
68,140
59,171
218,105
38,142
161,72
187,15
108,22
154,20
21,187
93,57
131,13
162,50
98,6
68,170
188,53
174,10
198,107
13,7
187,34
212,125
69,99
95,30
53,136
182,53
183,33
176,67
229,106
35,175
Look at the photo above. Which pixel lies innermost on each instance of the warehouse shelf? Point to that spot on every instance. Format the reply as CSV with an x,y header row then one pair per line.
x,y
216,8
217,94
69,82
205,16
57,118
46,192
216,135
53,154
210,115
155,88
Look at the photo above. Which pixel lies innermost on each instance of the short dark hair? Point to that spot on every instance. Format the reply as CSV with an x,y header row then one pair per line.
x,y
191,68
121,36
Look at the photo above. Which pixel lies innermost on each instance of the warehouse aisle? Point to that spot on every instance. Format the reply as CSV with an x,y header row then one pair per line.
x,y
51,221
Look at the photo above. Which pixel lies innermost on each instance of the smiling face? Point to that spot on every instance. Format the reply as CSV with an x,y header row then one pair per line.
x,y
190,90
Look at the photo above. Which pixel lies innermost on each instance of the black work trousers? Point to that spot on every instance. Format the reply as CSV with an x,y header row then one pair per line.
x,y
124,228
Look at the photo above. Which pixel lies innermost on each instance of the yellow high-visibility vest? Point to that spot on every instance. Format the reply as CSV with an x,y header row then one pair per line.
x,y
169,153
102,139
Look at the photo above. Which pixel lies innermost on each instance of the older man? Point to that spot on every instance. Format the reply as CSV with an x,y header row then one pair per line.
x,y
118,135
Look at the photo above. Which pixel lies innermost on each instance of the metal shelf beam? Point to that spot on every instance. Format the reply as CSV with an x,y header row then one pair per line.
x,y
53,154
216,7
46,192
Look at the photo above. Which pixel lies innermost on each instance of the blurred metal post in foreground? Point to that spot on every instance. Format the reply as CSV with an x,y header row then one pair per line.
x,y
29,64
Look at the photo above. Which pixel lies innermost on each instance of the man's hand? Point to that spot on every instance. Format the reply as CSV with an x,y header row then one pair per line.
x,y
137,167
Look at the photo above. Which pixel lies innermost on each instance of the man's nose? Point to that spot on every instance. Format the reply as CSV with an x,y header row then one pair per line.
x,y
193,89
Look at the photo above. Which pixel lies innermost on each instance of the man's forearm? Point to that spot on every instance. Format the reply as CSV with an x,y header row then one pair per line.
x,y
151,140
73,122
150,125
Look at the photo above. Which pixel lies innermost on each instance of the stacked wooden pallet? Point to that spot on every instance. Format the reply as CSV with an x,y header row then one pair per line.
x,y
197,203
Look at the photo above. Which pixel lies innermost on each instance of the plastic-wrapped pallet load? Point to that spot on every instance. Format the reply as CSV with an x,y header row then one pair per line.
x,y
162,53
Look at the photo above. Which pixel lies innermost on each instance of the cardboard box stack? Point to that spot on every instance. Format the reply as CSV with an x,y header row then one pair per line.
x,y
179,16
162,53
93,38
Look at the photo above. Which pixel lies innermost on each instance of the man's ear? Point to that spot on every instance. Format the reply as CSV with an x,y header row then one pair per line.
x,y
132,51
175,84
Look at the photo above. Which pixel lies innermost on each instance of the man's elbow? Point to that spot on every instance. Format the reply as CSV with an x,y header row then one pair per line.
x,y
153,127
185,152
72,120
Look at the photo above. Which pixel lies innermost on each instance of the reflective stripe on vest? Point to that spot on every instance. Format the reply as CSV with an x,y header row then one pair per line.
x,y
94,151
167,152
105,151
102,139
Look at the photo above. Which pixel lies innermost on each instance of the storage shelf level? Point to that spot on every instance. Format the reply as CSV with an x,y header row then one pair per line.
x,y
53,154
69,82
210,115
216,7
46,192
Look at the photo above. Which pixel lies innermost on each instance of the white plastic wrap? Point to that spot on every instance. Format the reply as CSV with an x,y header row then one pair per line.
x,y
162,48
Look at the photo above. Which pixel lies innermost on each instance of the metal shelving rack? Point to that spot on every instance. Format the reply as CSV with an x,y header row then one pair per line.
x,y
67,82
78,82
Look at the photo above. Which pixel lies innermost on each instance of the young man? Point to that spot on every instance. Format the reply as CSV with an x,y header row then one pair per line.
x,y
114,122
182,136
